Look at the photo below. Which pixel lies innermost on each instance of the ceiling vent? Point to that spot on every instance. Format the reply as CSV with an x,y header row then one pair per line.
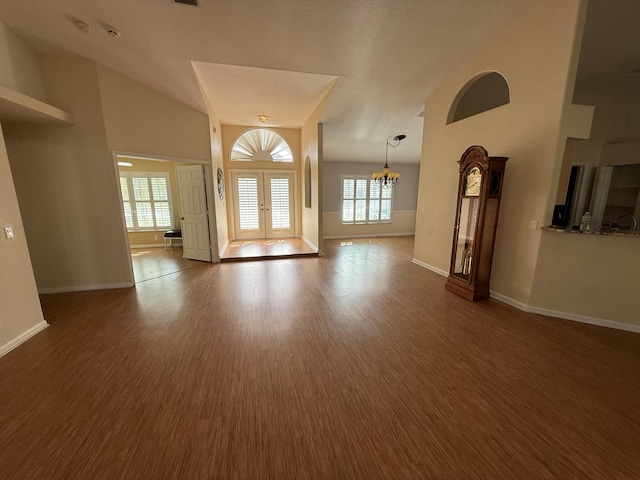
x,y
193,3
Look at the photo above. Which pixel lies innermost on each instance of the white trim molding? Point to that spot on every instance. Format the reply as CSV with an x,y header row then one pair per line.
x,y
23,337
373,235
85,288
308,242
430,267
600,322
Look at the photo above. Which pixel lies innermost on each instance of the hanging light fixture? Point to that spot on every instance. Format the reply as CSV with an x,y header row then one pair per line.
x,y
385,177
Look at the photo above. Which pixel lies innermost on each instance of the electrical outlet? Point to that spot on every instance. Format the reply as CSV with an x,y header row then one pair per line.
x,y
8,232
533,225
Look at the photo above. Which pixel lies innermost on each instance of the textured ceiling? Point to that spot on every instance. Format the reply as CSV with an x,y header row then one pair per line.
x,y
240,94
279,57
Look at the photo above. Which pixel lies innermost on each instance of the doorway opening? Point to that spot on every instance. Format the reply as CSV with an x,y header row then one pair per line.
x,y
159,195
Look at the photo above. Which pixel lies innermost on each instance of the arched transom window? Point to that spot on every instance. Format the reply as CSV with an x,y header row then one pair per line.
x,y
261,145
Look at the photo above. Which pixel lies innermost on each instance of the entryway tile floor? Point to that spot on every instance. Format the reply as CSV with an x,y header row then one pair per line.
x,y
266,248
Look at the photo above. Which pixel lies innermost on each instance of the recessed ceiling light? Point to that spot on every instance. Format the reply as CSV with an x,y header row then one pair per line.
x,y
125,164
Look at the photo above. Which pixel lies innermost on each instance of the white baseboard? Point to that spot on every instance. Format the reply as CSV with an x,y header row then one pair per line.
x,y
308,242
84,288
372,235
148,245
224,248
20,339
601,322
430,267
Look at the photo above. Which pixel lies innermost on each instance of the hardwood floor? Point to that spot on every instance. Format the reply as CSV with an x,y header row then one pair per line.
x,y
355,365
151,263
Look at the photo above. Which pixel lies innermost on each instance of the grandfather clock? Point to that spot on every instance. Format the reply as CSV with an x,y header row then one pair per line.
x,y
474,232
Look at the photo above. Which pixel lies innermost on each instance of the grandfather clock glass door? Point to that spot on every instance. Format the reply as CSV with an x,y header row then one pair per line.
x,y
466,228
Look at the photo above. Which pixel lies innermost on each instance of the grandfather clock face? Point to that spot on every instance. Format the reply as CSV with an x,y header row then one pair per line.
x,y
472,183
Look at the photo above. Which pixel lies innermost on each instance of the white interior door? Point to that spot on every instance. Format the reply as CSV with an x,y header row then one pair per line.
x,y
194,221
263,204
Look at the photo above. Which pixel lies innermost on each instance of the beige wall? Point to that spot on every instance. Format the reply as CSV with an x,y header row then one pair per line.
x,y
535,53
230,134
592,278
19,67
312,146
219,220
20,312
141,120
67,186
146,238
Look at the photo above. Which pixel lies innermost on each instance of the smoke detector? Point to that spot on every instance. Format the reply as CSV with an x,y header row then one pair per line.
x,y
112,32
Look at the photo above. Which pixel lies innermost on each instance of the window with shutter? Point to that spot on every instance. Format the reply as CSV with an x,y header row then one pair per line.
x,y
146,200
364,201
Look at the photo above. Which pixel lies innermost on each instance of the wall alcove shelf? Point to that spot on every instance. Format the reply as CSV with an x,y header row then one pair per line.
x,y
18,107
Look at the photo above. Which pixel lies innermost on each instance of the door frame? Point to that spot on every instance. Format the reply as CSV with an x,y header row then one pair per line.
x,y
263,171
209,183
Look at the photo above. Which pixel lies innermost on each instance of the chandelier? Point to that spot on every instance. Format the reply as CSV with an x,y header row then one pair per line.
x,y
385,177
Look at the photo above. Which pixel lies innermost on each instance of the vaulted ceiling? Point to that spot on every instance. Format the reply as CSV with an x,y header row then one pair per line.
x,y
379,58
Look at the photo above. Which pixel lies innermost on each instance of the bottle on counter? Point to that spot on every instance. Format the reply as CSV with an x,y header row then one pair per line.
x,y
585,223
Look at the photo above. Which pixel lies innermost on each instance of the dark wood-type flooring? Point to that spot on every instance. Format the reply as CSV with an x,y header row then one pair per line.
x,y
355,365
157,262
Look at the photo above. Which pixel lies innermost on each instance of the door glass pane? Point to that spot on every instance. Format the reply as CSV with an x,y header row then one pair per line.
x,y
248,211
280,211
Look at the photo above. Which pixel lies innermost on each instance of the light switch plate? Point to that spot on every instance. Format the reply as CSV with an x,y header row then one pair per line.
x,y
533,225
8,232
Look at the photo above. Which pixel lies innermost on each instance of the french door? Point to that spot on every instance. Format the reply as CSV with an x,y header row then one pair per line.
x,y
263,204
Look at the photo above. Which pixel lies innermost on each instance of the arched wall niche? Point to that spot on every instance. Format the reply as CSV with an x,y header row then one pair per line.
x,y
483,92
